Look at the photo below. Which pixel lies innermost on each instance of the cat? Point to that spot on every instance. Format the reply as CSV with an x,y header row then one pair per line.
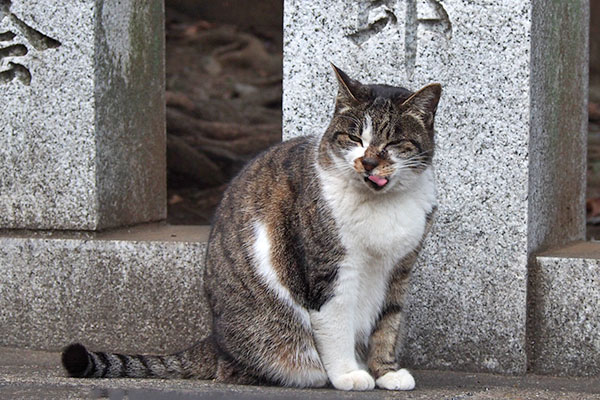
x,y
310,254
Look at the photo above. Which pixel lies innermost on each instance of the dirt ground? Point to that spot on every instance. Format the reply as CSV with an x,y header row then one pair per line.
x,y
223,106
593,156
593,159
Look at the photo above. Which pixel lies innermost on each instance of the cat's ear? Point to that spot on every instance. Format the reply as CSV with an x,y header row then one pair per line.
x,y
424,102
348,90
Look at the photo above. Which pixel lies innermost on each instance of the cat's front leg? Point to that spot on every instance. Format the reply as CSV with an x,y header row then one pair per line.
x,y
382,354
389,332
334,334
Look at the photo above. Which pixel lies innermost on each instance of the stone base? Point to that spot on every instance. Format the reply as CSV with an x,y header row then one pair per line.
x,y
140,290
565,317
134,290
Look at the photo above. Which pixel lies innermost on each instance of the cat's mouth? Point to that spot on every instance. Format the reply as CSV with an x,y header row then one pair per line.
x,y
377,182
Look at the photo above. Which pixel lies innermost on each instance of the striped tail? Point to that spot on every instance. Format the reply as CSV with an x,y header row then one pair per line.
x,y
81,363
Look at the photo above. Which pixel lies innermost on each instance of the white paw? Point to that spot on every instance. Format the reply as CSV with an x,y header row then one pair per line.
x,y
355,380
397,380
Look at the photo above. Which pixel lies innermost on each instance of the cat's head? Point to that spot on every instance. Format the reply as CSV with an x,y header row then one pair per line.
x,y
380,137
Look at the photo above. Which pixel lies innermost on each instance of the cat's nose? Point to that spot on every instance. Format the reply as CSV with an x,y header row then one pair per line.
x,y
369,163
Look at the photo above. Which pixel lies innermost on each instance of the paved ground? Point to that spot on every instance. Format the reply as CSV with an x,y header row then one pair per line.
x,y
37,375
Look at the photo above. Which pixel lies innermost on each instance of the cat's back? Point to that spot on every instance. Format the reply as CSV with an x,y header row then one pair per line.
x,y
280,174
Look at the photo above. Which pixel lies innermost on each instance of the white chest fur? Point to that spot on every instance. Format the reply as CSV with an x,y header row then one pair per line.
x,y
377,231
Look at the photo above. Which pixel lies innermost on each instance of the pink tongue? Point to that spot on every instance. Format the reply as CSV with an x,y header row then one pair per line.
x,y
379,181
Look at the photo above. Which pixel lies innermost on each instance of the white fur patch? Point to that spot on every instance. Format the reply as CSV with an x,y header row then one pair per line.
x,y
354,153
377,230
262,255
366,136
396,380
355,380
367,131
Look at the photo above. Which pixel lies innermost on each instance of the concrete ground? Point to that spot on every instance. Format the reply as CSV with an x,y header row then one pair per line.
x,y
26,374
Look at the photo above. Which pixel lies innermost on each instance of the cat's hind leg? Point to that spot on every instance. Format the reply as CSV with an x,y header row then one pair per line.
x,y
272,346
257,323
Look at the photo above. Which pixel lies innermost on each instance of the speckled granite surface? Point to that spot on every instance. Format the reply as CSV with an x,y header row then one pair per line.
x,y
467,308
566,317
82,114
136,290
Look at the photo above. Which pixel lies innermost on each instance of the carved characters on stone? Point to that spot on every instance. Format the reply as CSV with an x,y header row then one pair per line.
x,y
373,16
15,42
408,18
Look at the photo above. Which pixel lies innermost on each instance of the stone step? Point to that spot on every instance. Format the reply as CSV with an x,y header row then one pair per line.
x,y
564,312
137,289
140,290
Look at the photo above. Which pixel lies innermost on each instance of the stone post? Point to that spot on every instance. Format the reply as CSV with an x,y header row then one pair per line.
x,y
510,160
82,148
82,126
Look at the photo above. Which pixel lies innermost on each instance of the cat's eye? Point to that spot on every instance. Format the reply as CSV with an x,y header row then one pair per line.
x,y
404,146
353,138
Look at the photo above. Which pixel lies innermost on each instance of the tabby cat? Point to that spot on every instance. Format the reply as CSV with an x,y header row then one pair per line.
x,y
310,254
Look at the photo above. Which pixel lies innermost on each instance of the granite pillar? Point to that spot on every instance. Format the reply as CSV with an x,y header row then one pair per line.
x,y
82,126
82,149
510,161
